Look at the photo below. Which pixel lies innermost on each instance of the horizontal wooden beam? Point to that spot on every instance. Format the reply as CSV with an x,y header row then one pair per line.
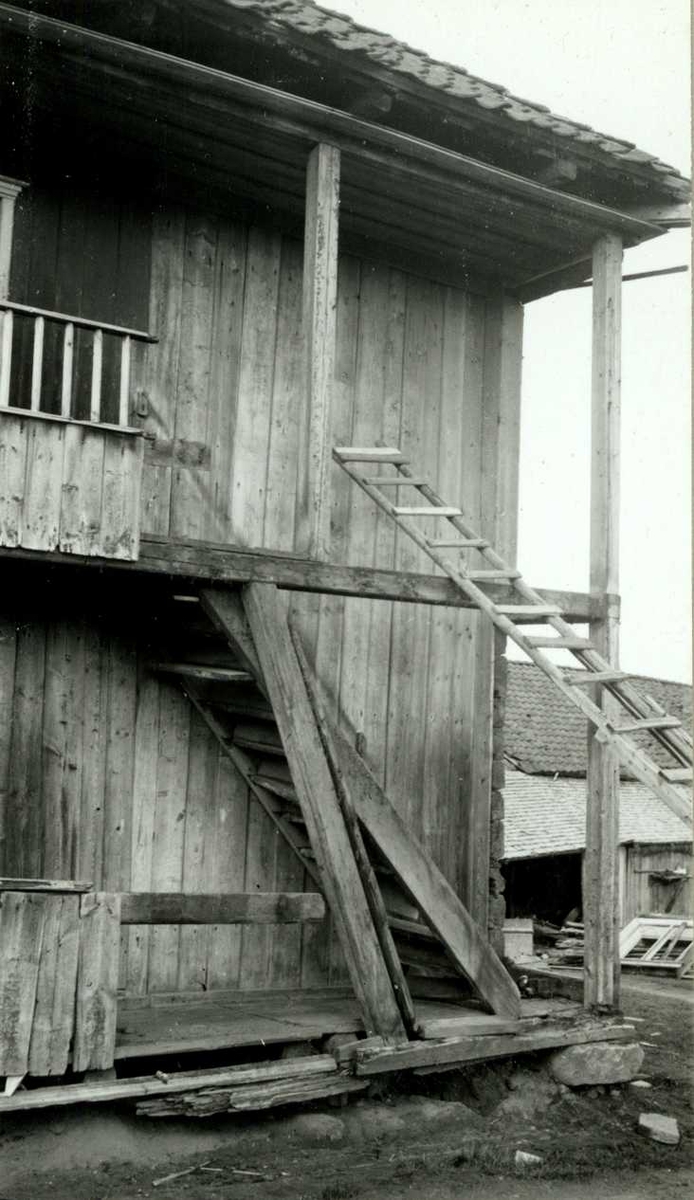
x,y
225,908
105,1091
206,563
313,122
477,1049
45,885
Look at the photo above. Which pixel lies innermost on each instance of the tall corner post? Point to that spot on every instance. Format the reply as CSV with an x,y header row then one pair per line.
x,y
319,332
601,866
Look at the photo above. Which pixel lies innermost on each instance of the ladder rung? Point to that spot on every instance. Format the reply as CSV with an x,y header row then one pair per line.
x,y
428,510
560,643
648,723
509,574
459,544
529,610
677,774
384,454
588,678
392,481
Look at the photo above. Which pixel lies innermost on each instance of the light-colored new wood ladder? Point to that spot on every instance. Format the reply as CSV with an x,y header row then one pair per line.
x,y
384,472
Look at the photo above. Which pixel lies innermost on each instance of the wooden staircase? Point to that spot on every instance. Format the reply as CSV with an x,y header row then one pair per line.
x,y
245,671
384,472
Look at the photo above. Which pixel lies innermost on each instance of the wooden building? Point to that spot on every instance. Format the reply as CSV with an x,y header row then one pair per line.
x,y
234,685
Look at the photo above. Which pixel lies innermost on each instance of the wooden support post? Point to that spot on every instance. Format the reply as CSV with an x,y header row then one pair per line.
x,y
601,882
319,301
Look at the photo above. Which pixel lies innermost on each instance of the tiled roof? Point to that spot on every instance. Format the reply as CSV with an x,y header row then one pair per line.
x,y
548,816
544,734
359,41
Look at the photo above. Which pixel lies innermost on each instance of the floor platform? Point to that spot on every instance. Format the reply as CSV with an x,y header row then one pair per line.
x,y
268,1024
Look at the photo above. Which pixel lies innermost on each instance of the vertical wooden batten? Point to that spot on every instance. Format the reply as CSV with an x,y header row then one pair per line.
x,y
319,304
601,884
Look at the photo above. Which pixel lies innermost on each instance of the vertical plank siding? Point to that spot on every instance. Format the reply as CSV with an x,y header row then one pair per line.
x,y
106,772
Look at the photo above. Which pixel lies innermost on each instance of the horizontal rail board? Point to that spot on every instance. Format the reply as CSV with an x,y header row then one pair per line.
x,y
45,885
204,561
252,908
27,310
35,415
180,1081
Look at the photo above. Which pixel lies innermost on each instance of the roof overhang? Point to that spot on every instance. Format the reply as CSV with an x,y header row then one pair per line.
x,y
421,206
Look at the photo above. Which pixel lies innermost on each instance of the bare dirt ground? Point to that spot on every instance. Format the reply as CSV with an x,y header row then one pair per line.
x,y
438,1137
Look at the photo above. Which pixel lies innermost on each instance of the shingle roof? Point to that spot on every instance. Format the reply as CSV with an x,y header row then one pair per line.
x,y
548,816
346,35
544,734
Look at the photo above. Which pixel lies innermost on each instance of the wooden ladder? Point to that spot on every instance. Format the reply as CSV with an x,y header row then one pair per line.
x,y
383,472
255,690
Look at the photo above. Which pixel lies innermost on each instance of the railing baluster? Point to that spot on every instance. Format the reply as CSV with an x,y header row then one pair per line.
x,y
97,364
6,359
68,355
124,404
37,364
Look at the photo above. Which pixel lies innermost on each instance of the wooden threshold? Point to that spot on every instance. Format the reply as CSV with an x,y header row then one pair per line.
x,y
211,563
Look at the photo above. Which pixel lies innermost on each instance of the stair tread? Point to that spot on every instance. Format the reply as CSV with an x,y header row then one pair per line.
x,y
458,543
393,481
202,671
588,678
677,774
528,610
386,454
559,643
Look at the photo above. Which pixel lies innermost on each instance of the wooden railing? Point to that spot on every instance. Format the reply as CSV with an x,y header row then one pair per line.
x,y
9,310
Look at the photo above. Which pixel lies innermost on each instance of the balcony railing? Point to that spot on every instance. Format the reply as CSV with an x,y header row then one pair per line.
x,y
54,391
70,459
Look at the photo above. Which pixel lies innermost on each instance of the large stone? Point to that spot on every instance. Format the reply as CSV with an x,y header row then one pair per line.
x,y
597,1063
660,1128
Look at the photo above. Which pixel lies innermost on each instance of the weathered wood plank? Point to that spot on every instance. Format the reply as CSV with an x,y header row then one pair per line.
x,y
476,1049
97,981
465,943
222,908
119,533
600,864
319,298
22,917
320,807
43,484
143,810
256,371
14,434
179,1081
255,1097
80,503
54,1011
190,490
45,885
222,565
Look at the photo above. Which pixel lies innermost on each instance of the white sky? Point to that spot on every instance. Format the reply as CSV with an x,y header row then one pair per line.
x,y
621,66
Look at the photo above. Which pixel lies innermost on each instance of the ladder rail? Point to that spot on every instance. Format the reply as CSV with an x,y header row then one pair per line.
x,y
629,754
675,741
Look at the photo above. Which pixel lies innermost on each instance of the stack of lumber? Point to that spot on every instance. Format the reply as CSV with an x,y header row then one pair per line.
x,y
566,943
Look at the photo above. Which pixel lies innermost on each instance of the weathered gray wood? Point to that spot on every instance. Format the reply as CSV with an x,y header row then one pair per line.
x,y
251,908
22,917
54,1010
44,885
476,1049
253,1098
319,302
600,863
464,941
267,619
370,883
216,564
97,982
315,1066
